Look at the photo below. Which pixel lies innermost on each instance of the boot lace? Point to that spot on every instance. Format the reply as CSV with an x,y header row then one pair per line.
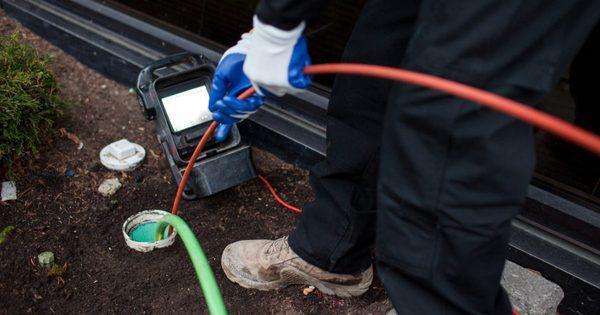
x,y
278,248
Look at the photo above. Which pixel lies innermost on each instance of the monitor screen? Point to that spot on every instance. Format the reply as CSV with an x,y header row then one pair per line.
x,y
187,109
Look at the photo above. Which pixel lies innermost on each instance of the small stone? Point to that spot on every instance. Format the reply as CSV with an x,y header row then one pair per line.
x,y
37,296
109,187
9,191
529,292
46,259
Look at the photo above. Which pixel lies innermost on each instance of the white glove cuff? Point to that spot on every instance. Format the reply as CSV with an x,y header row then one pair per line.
x,y
275,36
268,58
242,46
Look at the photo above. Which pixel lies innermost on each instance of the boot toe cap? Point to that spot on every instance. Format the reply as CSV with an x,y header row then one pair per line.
x,y
241,259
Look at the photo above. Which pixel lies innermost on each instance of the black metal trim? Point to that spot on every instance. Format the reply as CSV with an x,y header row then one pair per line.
x,y
573,268
115,45
564,218
554,235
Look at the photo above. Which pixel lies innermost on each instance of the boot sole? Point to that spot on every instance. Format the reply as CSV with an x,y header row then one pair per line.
x,y
293,276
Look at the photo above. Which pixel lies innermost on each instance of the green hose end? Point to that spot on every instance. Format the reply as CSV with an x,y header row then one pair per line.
x,y
160,230
208,283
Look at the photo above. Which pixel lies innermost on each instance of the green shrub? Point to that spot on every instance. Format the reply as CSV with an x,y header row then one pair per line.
x,y
29,103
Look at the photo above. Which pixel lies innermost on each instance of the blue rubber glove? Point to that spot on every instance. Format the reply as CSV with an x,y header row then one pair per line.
x,y
228,82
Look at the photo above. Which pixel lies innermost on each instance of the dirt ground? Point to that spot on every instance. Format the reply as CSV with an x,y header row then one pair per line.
x,y
99,274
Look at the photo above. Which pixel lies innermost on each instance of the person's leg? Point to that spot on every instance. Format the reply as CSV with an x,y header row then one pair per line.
x,y
337,230
583,88
331,247
452,173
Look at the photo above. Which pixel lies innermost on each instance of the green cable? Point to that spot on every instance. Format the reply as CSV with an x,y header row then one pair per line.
x,y
207,280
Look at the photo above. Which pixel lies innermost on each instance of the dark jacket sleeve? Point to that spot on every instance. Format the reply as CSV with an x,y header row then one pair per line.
x,y
287,14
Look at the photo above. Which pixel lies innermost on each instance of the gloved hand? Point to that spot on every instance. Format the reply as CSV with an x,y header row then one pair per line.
x,y
276,58
268,58
228,82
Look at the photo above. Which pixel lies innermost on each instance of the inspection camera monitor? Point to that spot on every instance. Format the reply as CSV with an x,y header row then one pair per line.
x,y
174,91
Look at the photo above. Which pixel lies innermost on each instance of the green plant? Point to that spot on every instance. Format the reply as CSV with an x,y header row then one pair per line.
x,y
29,103
5,232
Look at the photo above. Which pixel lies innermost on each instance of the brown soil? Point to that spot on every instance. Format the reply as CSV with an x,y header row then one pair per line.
x,y
67,216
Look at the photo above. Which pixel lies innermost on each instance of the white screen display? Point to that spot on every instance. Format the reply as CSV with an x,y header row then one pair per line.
x,y
188,108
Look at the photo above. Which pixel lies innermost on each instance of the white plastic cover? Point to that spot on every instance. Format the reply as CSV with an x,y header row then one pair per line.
x,y
121,149
109,156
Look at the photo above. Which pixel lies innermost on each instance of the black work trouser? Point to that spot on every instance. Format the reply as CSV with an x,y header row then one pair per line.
x,y
428,180
583,88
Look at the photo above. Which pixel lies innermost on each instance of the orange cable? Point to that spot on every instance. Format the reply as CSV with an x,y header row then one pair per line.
x,y
207,135
554,125
276,196
507,106
190,166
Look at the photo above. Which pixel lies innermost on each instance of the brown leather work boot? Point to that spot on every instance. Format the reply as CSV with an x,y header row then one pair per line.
x,y
269,265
